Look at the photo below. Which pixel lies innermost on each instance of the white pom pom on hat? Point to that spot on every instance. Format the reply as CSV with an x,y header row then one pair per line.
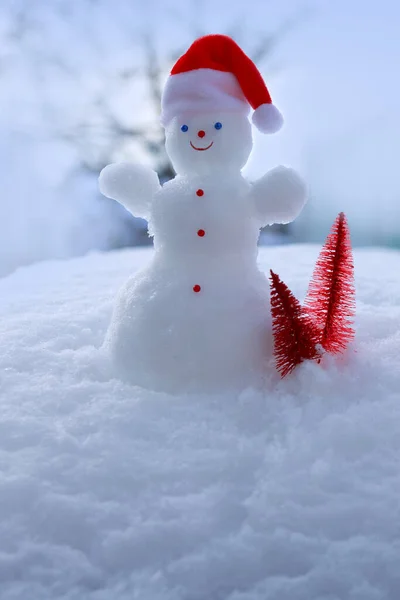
x,y
215,74
267,118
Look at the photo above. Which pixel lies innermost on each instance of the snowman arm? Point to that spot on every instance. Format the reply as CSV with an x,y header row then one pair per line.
x,y
133,186
278,196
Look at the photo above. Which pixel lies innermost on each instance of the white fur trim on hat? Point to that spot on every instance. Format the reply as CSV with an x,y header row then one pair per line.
x,y
202,90
267,118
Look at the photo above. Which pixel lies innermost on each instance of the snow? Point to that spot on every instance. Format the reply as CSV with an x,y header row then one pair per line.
x,y
108,491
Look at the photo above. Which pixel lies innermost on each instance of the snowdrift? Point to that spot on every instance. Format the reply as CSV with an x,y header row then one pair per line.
x,y
111,492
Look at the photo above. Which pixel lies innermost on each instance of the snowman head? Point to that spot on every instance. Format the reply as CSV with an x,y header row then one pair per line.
x,y
205,104
208,142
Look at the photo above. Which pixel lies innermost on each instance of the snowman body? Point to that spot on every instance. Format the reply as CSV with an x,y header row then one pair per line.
x,y
197,317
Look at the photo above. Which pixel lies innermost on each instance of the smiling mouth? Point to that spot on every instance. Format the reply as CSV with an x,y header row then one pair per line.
x,y
201,149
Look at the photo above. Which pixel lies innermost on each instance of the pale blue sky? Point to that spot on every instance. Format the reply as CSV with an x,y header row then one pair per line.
x,y
342,72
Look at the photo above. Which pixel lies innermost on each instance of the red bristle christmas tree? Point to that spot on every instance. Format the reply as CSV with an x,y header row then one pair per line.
x,y
330,300
295,335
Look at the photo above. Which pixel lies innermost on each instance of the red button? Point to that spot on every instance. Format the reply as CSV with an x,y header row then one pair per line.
x,y
196,288
200,192
201,233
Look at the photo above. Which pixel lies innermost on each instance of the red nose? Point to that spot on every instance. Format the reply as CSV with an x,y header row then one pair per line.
x,y
201,133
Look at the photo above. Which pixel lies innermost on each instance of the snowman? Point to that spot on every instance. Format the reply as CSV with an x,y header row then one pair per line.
x,y
197,317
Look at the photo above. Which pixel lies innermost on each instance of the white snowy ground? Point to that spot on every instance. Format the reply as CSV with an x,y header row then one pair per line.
x,y
110,492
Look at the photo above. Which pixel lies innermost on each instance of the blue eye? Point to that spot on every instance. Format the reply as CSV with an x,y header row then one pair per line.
x,y
218,125
184,128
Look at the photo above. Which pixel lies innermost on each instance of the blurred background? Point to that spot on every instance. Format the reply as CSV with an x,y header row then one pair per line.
x,y
80,88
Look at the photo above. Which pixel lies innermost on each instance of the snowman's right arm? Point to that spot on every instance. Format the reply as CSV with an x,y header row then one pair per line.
x,y
133,186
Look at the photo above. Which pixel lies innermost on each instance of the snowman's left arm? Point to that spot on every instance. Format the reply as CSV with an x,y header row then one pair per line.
x,y
278,196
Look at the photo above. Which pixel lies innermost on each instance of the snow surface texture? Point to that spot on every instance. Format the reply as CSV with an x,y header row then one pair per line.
x,y
197,318
110,492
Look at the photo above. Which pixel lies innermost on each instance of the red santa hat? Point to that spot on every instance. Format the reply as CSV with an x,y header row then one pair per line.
x,y
216,75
